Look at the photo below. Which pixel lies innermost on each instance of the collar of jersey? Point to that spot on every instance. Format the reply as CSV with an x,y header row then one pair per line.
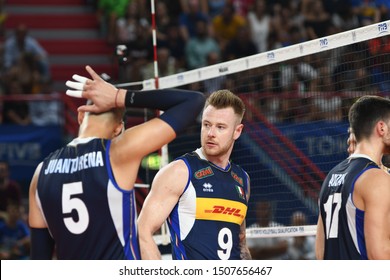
x,y
199,152
76,141
360,156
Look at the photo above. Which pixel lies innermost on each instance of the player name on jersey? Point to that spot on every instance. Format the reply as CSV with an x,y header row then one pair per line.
x,y
337,180
71,165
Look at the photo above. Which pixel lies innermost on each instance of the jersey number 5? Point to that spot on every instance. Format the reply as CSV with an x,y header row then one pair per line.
x,y
70,204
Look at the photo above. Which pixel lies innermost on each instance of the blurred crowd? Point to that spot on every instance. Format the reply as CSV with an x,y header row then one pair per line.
x,y
196,33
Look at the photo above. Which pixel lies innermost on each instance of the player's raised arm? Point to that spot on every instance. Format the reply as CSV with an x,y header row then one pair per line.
x,y
183,105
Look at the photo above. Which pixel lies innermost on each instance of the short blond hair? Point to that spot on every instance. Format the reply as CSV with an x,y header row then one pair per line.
x,y
224,98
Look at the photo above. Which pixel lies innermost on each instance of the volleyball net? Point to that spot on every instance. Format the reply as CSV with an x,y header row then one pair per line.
x,y
297,100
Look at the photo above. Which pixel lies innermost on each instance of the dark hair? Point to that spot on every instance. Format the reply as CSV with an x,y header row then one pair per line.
x,y
366,112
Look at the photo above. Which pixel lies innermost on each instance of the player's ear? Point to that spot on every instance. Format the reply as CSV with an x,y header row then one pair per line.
x,y
119,129
381,128
238,131
80,117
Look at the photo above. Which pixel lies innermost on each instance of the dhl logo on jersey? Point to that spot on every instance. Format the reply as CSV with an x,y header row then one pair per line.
x,y
220,210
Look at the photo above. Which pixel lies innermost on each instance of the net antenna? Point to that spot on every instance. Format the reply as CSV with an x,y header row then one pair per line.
x,y
163,152
162,238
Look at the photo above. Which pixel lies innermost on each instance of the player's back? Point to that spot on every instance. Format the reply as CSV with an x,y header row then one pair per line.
x,y
343,222
87,214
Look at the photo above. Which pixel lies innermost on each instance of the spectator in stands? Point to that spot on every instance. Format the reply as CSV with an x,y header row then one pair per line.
x,y
260,23
14,234
10,190
26,72
166,65
127,25
1,109
273,41
3,80
316,20
47,112
297,76
189,18
328,104
200,46
174,11
270,100
295,15
367,11
108,12
15,111
176,45
384,9
21,43
270,247
243,6
379,64
341,14
226,25
163,21
240,46
284,16
301,247
294,35
3,16
352,74
139,53
212,8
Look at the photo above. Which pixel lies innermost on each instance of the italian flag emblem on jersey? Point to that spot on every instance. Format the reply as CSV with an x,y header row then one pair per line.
x,y
240,191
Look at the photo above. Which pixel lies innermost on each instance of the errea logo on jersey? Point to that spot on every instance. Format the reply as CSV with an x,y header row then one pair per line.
x,y
203,173
207,187
337,180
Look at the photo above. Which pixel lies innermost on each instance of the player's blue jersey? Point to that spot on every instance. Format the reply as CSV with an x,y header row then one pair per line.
x,y
87,213
205,223
343,222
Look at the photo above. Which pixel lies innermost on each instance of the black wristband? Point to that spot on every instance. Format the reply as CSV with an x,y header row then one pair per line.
x,y
42,244
181,107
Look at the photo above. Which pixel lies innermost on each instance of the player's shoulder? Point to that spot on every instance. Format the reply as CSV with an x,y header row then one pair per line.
x,y
375,178
176,167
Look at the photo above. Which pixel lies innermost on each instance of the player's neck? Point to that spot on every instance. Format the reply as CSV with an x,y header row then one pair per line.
x,y
93,131
222,161
372,151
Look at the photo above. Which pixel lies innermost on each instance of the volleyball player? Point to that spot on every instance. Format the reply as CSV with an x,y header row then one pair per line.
x,y
354,202
351,142
81,196
203,194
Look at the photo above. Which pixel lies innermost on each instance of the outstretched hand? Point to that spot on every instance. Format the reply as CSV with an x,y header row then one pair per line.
x,y
96,89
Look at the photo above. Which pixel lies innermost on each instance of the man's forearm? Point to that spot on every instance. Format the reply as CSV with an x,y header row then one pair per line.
x,y
181,107
149,249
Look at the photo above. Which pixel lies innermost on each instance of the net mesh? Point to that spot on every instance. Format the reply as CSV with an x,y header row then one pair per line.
x,y
297,101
